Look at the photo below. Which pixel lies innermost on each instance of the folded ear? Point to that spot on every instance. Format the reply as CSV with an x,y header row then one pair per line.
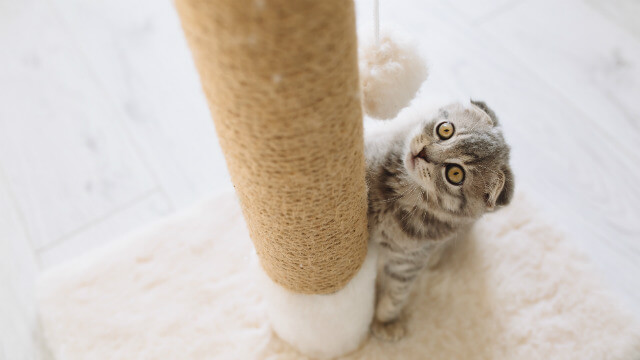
x,y
486,109
501,189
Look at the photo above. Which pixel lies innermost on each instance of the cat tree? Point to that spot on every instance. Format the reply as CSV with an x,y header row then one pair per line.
x,y
281,79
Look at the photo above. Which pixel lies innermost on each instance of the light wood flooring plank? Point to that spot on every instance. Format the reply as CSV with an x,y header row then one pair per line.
x,y
141,59
587,58
66,156
479,10
624,13
18,269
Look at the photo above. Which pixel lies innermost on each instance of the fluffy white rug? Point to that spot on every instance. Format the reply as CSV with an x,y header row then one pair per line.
x,y
185,288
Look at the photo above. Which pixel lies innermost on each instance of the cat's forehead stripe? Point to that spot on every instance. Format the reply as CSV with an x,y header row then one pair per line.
x,y
482,144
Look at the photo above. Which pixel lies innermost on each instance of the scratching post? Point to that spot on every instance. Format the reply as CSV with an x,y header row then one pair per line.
x,y
281,79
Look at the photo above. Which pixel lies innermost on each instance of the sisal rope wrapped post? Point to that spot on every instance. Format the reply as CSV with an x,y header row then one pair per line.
x,y
281,79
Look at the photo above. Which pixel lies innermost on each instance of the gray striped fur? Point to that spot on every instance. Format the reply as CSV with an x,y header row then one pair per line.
x,y
414,212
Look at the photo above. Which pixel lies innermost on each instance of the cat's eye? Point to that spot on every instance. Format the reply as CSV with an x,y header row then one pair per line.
x,y
445,130
454,174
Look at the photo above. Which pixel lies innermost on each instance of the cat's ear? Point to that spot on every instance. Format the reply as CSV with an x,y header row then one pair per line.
x,y
483,106
501,189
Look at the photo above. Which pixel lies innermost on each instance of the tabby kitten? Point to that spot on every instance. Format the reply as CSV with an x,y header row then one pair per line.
x,y
428,184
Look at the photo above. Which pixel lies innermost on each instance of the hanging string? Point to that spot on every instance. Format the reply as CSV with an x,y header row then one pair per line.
x,y
376,21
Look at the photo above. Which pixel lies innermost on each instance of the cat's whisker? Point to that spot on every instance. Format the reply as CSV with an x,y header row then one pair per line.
x,y
411,187
406,192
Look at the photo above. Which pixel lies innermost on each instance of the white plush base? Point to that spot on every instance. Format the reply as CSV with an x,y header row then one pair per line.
x,y
323,326
186,288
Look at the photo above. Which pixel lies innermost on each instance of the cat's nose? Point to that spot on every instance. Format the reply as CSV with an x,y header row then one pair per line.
x,y
423,155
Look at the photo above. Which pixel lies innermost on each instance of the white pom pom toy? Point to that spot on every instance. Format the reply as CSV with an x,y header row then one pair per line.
x,y
391,72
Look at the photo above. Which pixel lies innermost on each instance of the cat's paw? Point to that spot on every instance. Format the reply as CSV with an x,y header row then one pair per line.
x,y
388,331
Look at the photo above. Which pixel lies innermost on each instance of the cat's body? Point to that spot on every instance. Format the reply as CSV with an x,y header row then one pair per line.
x,y
428,183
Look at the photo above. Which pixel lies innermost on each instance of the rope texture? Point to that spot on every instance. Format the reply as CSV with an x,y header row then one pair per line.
x,y
281,80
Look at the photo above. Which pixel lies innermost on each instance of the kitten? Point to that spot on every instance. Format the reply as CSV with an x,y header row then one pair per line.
x,y
427,185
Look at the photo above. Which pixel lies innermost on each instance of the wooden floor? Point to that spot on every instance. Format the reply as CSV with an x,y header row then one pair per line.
x,y
103,126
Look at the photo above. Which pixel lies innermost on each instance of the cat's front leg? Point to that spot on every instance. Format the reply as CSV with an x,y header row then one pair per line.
x,y
395,282
389,331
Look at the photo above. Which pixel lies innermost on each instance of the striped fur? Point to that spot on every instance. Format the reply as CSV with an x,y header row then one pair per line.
x,y
414,212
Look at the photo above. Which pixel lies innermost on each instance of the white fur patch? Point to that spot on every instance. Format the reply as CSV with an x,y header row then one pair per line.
x,y
186,288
